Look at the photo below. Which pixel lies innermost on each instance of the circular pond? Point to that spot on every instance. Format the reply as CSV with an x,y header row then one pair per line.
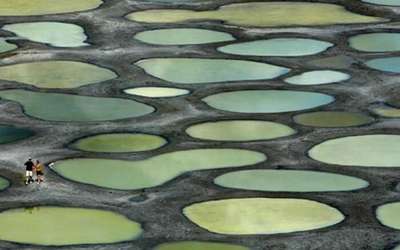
x,y
6,46
289,181
260,14
318,77
183,36
119,143
389,215
267,101
52,106
10,134
384,2
157,92
198,245
277,47
198,70
332,119
239,130
56,74
59,226
379,150
45,7
262,215
153,171
376,42
388,64
54,33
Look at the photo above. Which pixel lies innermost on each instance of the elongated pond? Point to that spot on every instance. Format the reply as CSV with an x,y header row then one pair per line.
x,y
56,74
53,33
332,119
378,150
153,171
57,226
262,215
182,36
318,77
11,134
198,70
156,92
52,106
267,101
239,130
260,14
376,42
289,181
277,47
119,143
388,215
387,64
6,46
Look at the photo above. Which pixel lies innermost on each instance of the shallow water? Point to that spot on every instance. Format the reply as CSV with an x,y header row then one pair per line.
x,y
198,245
388,64
289,181
183,36
387,112
332,119
376,42
383,2
198,70
54,33
239,130
58,226
156,92
318,77
4,183
43,7
267,101
56,74
260,14
379,150
262,215
389,215
154,171
10,134
277,47
52,106
119,142
6,46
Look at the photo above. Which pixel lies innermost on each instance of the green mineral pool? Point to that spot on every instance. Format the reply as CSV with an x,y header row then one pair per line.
x,y
119,143
45,7
56,74
4,183
386,111
378,150
52,106
388,64
6,46
384,2
198,70
332,119
157,92
246,216
183,36
153,171
198,245
239,130
58,226
54,33
318,77
376,42
289,181
277,47
10,134
267,101
260,14
389,215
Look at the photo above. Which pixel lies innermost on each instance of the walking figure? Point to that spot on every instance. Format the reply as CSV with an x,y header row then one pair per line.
x,y
39,172
29,171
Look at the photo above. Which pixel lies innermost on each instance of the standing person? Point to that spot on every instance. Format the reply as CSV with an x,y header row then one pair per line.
x,y
29,171
39,172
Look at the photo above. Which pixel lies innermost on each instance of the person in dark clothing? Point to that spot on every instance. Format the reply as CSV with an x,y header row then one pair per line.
x,y
29,171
